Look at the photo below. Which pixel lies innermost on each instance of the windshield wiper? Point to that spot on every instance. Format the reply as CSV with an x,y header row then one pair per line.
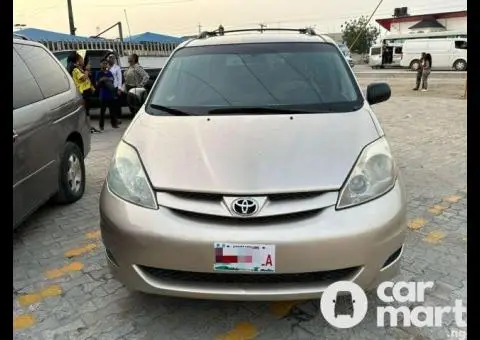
x,y
262,110
171,110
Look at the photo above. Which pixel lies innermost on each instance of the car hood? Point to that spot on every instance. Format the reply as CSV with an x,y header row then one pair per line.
x,y
250,154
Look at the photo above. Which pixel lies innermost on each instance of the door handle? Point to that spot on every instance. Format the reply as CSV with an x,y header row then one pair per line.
x,y
15,136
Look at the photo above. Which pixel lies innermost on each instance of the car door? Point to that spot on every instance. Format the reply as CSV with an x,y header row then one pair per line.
x,y
375,58
30,132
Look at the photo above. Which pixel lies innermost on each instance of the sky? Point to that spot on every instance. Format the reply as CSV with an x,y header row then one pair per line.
x,y
183,17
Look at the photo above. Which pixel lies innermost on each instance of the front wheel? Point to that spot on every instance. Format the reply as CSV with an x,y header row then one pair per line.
x,y
460,65
71,175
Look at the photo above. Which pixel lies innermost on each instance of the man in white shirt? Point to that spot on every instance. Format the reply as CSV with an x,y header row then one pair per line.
x,y
117,83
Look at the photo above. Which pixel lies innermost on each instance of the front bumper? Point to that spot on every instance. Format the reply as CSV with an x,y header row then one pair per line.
x,y
162,252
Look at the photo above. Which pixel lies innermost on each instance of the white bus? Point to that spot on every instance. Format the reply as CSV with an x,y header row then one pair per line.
x,y
389,52
446,53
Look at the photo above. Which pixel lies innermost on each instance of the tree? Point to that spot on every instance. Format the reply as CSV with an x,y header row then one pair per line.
x,y
368,34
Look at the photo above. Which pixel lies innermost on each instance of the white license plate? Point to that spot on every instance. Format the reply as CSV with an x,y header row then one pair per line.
x,y
244,257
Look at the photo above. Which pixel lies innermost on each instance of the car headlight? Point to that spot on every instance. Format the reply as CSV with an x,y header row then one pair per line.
x,y
127,179
373,175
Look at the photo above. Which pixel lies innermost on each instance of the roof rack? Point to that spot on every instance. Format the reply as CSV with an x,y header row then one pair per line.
x,y
19,36
221,31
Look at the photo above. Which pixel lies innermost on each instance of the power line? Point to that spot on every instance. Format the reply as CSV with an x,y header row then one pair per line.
x,y
364,26
128,24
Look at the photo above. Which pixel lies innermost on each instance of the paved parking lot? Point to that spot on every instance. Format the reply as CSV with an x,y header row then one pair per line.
x,y
62,288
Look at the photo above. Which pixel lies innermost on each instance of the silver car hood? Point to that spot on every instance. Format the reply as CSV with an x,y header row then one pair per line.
x,y
254,154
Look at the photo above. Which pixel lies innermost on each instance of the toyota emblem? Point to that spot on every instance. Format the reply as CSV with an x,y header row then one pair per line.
x,y
245,207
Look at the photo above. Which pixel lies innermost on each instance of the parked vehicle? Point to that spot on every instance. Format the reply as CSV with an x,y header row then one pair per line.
x,y
386,55
51,136
255,170
446,53
93,58
346,52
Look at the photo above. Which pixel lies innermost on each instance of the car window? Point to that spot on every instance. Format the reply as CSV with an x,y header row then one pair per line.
x,y
305,76
94,58
25,88
375,51
62,57
460,44
49,75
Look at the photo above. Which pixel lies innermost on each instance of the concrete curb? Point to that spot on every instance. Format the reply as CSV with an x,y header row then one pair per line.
x,y
410,74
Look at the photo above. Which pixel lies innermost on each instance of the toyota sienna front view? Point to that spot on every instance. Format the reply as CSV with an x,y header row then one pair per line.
x,y
255,170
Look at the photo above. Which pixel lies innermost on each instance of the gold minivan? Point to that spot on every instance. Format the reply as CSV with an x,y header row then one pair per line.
x,y
51,136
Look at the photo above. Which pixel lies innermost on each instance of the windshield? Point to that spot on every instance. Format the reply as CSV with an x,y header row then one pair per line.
x,y
304,77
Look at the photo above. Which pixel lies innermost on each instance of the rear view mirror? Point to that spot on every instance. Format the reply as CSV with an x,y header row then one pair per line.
x,y
378,93
136,97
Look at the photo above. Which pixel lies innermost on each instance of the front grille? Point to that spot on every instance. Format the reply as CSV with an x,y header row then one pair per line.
x,y
257,279
232,220
272,197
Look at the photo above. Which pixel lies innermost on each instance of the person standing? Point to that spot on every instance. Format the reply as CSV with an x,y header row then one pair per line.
x,y
117,83
81,78
427,67
135,75
419,73
105,83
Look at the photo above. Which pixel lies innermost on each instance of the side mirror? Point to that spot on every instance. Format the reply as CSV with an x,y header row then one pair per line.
x,y
378,93
136,97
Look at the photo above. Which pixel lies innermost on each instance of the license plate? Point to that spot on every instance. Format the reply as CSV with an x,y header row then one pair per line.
x,y
244,257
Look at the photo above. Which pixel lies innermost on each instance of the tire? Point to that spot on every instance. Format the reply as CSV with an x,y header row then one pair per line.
x,y
415,65
133,111
460,65
71,175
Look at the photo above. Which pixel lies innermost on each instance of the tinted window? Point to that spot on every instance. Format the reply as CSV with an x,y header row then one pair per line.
x,y
310,77
460,44
94,57
62,57
398,50
375,50
49,75
25,89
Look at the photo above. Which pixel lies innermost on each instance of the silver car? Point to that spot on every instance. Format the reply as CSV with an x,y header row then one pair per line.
x,y
51,137
256,170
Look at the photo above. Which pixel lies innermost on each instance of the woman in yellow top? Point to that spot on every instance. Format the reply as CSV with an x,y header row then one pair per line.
x,y
81,78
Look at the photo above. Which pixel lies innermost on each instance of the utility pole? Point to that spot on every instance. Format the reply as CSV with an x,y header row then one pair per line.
x,y
364,26
262,26
199,28
70,17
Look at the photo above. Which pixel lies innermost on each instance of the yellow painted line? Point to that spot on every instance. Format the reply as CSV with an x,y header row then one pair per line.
x,y
282,308
80,251
241,331
453,198
58,272
93,235
30,299
417,223
437,209
23,321
434,237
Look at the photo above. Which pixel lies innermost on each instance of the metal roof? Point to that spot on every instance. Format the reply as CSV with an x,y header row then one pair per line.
x,y
43,35
153,37
387,22
427,23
